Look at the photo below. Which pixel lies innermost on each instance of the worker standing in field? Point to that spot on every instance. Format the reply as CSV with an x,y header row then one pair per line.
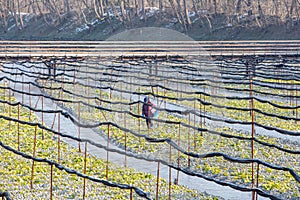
x,y
51,65
147,111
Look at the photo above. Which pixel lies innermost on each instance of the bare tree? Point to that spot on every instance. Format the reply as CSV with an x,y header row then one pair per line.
x,y
4,13
13,11
54,11
294,9
67,6
20,14
160,5
143,9
249,8
238,6
215,6
186,13
122,8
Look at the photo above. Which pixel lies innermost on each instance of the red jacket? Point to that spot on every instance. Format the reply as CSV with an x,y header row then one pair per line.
x,y
147,109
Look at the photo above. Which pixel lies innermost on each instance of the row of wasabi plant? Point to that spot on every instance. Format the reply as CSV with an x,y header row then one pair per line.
x,y
25,179
276,182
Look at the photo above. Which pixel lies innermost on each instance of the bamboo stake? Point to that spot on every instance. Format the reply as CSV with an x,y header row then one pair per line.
x,y
296,102
51,183
157,180
189,144
257,178
84,170
18,127
4,105
170,174
107,152
43,117
29,101
58,139
9,108
22,88
204,109
33,154
165,101
131,194
253,132
79,148
125,140
178,159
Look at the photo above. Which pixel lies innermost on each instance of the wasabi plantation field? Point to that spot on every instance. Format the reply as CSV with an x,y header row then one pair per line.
x,y
227,128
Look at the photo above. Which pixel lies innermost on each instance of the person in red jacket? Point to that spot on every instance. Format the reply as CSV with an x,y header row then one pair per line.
x,y
146,112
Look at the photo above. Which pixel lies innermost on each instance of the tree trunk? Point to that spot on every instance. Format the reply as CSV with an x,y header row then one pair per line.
x,y
84,17
13,11
34,10
293,7
215,7
95,6
4,14
160,5
106,10
186,12
143,10
41,12
275,7
54,8
116,13
260,13
297,10
209,22
101,8
238,6
249,5
85,3
181,15
20,15
67,6
175,10
123,13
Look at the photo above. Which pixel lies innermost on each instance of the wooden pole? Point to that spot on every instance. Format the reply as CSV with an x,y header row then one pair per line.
x,y
84,170
125,140
107,152
79,148
257,177
18,127
58,138
296,102
33,154
253,132
42,117
178,159
170,174
157,180
131,194
29,101
22,88
189,144
165,101
51,182
9,108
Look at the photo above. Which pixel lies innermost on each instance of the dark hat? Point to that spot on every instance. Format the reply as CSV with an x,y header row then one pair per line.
x,y
146,99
